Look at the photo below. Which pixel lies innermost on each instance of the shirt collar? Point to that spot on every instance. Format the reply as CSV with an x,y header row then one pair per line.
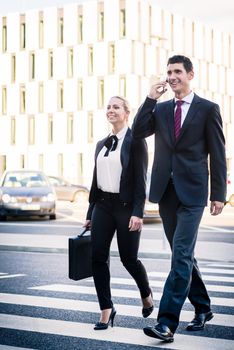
x,y
188,98
122,132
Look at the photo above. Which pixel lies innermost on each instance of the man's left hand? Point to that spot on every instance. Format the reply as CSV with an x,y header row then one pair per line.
x,y
216,207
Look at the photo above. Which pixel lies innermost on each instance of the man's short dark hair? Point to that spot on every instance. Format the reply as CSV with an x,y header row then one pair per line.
x,y
188,66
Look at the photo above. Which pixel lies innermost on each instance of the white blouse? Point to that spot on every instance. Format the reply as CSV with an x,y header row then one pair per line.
x,y
109,168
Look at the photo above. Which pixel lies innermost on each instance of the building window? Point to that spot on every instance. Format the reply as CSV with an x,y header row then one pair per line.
x,y
60,164
22,99
100,93
50,129
80,24
122,19
70,128
22,161
13,130
4,34
31,130
13,68
60,27
40,97
2,164
70,63
90,60
60,96
80,166
22,32
122,86
111,58
51,64
80,94
90,127
100,21
4,100
41,30
41,162
31,66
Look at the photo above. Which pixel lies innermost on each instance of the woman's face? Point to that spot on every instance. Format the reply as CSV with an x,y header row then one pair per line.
x,y
116,113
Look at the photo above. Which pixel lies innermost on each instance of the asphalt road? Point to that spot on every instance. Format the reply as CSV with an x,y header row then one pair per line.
x,y
40,308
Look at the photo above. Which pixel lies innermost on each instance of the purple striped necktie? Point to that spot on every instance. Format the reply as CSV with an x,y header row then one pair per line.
x,y
177,118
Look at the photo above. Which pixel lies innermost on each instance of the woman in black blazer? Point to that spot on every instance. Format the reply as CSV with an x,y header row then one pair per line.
x,y
117,198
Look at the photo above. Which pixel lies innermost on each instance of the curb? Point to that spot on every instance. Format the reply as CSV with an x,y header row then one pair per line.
x,y
143,255
113,253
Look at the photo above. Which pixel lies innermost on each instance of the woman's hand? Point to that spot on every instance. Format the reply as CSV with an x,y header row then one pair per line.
x,y
135,223
87,224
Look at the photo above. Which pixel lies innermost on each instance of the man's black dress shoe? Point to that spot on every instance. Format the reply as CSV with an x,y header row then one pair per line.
x,y
199,321
160,331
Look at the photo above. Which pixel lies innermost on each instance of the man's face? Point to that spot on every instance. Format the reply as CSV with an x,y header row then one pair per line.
x,y
178,78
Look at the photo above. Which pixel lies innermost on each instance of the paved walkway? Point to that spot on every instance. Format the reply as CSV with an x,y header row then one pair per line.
x,y
149,248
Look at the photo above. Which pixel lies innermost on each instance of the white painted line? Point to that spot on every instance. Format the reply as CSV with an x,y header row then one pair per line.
x,y
215,271
204,277
216,264
221,271
116,292
12,276
217,229
7,347
114,335
160,284
3,273
93,307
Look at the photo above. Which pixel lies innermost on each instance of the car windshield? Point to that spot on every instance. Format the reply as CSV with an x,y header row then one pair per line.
x,y
22,179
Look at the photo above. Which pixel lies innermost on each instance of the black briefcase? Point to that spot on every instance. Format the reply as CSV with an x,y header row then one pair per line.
x,y
79,256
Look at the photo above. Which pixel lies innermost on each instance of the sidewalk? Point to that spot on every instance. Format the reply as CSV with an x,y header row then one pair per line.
x,y
149,248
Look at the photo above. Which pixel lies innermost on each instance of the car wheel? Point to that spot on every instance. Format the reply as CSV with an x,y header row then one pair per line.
x,y
231,200
52,216
81,197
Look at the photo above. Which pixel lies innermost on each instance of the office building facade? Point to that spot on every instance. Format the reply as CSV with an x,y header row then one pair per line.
x,y
60,65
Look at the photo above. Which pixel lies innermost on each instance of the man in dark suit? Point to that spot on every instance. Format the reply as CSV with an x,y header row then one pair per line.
x,y
188,130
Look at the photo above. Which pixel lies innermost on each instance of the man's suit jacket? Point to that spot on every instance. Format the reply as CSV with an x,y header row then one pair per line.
x,y
185,159
134,161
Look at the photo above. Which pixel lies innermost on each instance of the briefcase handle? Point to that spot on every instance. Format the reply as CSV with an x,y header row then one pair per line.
x,y
83,232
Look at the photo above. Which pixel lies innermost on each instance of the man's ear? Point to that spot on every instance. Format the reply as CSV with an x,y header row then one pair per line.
x,y
191,75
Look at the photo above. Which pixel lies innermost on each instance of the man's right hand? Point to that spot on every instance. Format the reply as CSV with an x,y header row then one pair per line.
x,y
157,90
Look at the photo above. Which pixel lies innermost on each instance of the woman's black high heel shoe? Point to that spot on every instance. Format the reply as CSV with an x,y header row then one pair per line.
x,y
146,311
101,325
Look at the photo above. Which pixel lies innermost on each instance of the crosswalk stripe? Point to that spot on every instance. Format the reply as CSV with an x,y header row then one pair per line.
x,y
12,276
153,283
7,347
114,335
91,306
68,288
221,271
231,266
204,277
209,270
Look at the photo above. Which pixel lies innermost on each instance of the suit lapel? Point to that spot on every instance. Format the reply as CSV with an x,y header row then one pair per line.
x,y
125,149
170,120
190,115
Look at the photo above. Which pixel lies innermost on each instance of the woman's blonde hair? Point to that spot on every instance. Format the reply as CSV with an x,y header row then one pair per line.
x,y
126,105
